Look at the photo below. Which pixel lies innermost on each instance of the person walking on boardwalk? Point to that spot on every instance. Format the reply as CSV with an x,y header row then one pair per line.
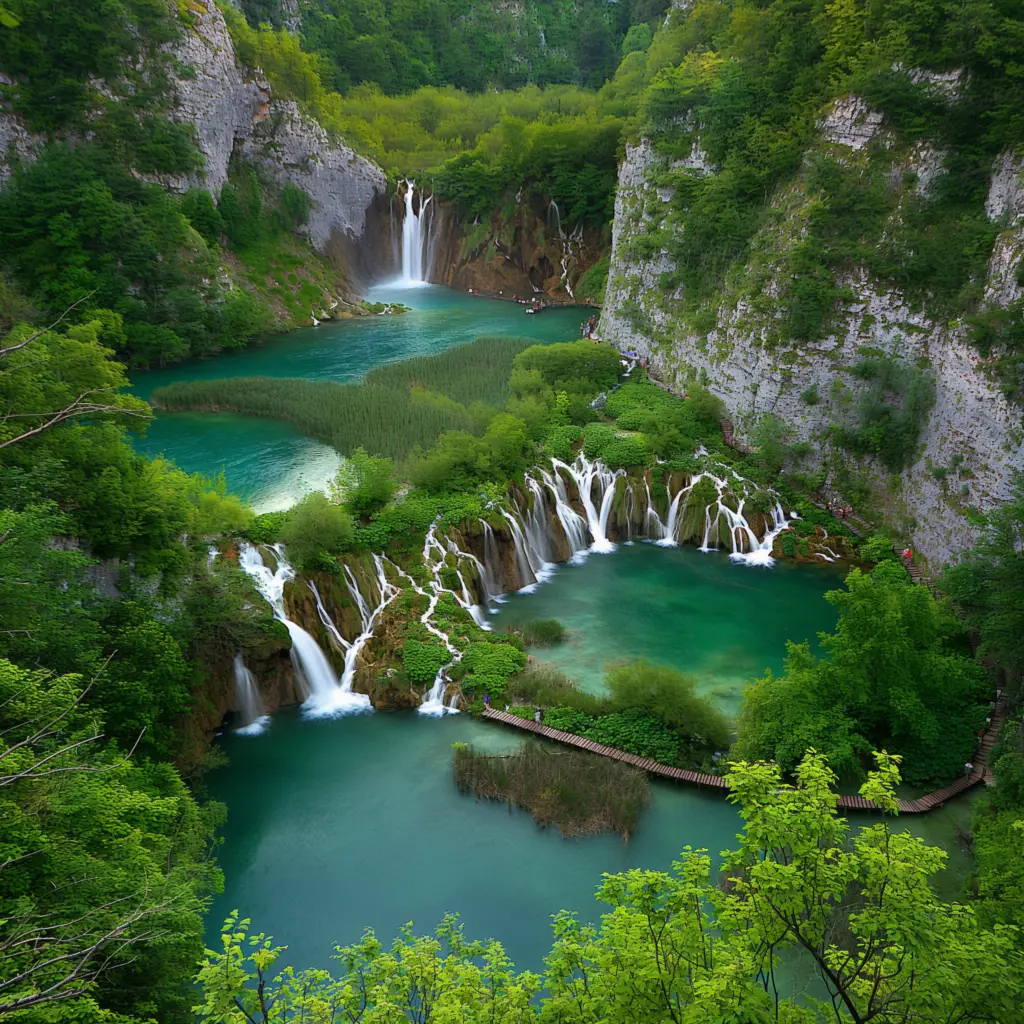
x,y
536,716
968,768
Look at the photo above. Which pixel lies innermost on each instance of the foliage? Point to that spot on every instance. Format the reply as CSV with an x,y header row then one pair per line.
x,y
77,222
680,947
542,632
594,280
489,666
105,870
580,793
877,548
364,482
422,660
316,530
671,697
893,410
59,55
987,584
999,335
753,82
895,675
473,45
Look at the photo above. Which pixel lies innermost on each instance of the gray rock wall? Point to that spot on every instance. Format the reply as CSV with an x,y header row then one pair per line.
x,y
972,426
234,114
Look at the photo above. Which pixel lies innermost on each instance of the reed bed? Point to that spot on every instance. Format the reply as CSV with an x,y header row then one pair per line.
x,y
580,793
389,414
477,372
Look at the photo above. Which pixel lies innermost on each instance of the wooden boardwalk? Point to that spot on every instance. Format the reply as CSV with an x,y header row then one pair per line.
x,y
923,804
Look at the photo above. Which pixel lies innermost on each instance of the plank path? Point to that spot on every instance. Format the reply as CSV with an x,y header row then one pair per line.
x,y
851,803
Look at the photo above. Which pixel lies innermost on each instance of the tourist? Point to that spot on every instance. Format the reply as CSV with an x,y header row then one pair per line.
x,y
487,701
536,716
968,768
908,554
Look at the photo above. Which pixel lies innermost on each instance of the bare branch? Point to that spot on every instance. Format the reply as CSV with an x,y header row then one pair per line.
x,y
38,334
79,407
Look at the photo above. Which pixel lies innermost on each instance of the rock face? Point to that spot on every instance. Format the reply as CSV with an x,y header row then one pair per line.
x,y
288,146
213,94
971,445
234,114
529,252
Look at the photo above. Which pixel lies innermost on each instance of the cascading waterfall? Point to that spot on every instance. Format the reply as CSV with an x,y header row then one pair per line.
x,y
574,526
490,579
589,476
250,704
415,239
653,525
323,692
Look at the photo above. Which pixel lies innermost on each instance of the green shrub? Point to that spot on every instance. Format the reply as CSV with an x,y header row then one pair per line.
x,y
542,632
489,666
423,659
315,531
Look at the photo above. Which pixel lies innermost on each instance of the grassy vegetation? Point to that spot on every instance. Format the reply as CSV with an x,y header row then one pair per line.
x,y
579,793
541,632
477,372
399,406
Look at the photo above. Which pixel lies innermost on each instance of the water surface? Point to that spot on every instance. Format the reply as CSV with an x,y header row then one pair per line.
x,y
269,463
721,622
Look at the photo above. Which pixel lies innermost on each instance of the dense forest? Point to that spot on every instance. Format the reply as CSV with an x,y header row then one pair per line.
x,y
122,600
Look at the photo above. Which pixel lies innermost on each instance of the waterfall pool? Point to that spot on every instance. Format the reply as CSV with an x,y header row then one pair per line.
x,y
270,463
714,619
338,825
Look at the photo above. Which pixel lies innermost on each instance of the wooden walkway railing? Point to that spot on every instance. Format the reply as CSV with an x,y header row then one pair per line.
x,y
925,803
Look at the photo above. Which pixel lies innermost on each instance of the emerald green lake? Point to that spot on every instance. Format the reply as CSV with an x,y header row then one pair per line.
x,y
342,824
720,622
271,464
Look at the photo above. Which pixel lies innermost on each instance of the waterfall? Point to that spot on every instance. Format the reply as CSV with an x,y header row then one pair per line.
x,y
490,578
760,552
533,569
588,476
324,694
574,526
250,704
415,240
653,525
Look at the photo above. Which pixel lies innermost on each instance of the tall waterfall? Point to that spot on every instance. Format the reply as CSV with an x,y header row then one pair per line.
x,y
250,704
325,696
591,477
415,239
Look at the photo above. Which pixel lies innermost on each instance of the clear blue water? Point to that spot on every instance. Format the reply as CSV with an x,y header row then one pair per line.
x,y
271,464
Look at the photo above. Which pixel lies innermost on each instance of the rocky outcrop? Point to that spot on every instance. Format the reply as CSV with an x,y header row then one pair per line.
x,y
212,93
525,250
289,147
971,446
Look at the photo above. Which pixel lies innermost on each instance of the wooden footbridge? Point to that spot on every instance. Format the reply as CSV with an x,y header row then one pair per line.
x,y
850,803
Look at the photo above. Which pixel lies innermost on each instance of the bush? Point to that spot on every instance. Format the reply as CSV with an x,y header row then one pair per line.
x,y
560,443
489,666
364,482
423,659
315,531
671,697
542,632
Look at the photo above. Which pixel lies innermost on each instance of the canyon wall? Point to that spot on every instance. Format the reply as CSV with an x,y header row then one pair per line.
x,y
523,248
971,445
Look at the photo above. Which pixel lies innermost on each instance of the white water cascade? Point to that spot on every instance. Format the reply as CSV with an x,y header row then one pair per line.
x,y
490,578
324,694
415,240
573,524
250,704
590,477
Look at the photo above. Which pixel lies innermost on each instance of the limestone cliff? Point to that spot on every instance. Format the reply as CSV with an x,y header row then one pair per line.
x,y
235,116
971,444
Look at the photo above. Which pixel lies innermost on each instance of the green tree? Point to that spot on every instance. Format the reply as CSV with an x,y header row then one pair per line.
x,y
315,531
679,947
105,867
364,482
896,674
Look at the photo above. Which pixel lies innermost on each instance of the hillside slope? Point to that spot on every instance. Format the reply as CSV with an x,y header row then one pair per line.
x,y
868,301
